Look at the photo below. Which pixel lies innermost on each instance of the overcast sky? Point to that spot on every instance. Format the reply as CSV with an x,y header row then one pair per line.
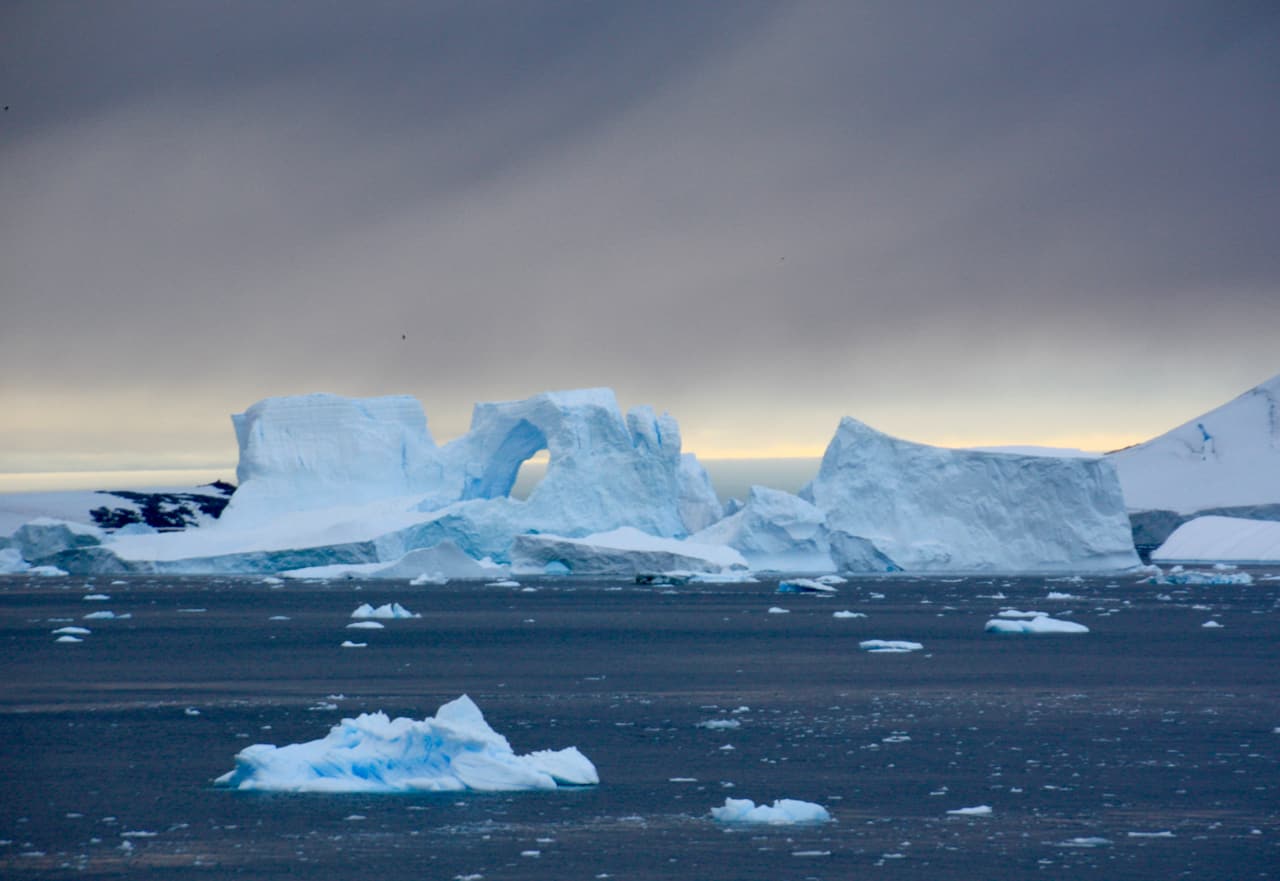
x,y
964,223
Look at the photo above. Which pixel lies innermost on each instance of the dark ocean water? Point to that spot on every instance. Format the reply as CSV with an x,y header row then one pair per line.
x,y
1152,733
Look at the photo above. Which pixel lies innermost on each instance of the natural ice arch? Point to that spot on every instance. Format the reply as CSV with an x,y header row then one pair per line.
x,y
522,442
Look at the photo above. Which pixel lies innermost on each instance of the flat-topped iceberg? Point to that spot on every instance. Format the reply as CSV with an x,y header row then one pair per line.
x,y
1039,623
933,509
783,812
454,750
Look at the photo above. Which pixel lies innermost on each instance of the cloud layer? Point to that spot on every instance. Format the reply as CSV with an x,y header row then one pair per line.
x,y
1002,222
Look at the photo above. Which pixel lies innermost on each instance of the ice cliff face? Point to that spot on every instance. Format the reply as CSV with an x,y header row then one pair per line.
x,y
318,451
928,508
1228,457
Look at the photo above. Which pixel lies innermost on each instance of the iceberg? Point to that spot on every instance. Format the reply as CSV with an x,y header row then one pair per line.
x,y
453,751
783,812
890,646
623,551
932,509
333,481
1222,539
1038,624
1228,457
775,531
389,611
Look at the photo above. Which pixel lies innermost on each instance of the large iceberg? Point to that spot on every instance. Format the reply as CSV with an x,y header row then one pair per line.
x,y
1228,457
929,508
453,751
334,486
328,481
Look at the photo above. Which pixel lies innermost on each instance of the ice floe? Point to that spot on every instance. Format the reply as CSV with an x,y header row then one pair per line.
x,y
783,812
454,750
975,811
1038,623
889,646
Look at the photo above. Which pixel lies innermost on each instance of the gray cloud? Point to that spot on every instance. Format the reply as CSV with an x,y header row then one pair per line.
x,y
1007,221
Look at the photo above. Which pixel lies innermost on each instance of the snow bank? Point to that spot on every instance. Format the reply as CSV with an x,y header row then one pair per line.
x,y
453,751
1222,539
933,509
1039,624
783,812
623,551
1227,457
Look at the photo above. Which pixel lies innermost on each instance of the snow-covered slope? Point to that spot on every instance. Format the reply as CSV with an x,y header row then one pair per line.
x,y
1228,457
1222,540
929,508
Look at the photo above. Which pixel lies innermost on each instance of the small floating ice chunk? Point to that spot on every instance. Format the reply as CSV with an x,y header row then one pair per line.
x,y
1165,833
96,597
1015,613
783,812
1212,625
437,578
720,724
191,711
1178,575
68,638
889,645
454,750
845,613
366,625
778,610
271,579
1038,625
104,615
348,644
975,811
279,618
73,631
1058,595
506,582
805,585
1086,841
390,611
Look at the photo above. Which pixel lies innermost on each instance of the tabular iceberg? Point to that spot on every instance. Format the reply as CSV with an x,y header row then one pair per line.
x,y
453,751
928,508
